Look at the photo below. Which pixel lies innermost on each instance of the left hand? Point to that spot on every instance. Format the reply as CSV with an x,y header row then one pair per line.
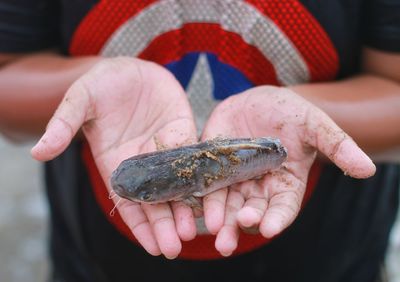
x,y
272,203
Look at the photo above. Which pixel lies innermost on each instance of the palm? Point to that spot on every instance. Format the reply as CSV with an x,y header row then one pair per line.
x,y
138,105
127,106
271,203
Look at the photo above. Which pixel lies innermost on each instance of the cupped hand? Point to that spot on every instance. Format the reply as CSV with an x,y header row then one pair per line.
x,y
125,106
271,203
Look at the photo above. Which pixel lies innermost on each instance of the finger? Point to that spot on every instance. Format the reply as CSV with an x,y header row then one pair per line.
x,y
163,226
139,225
228,237
181,131
184,220
214,203
214,210
254,208
65,123
286,193
338,146
252,212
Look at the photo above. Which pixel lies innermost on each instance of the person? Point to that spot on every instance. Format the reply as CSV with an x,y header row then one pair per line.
x,y
297,72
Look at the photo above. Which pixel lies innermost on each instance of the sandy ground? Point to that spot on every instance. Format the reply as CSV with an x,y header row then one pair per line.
x,y
23,216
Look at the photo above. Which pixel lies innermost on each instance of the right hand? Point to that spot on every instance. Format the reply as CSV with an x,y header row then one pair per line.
x,y
125,106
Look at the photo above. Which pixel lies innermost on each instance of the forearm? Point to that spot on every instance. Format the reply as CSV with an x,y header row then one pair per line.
x,y
367,107
31,87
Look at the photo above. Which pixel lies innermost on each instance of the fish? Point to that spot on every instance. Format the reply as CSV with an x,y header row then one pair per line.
x,y
190,172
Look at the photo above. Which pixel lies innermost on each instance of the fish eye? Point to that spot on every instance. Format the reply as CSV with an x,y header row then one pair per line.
x,y
145,196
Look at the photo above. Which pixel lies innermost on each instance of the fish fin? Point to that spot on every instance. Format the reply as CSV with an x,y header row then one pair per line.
x,y
194,203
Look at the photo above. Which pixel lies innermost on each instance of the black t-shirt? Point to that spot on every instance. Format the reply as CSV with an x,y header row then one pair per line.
x,y
340,235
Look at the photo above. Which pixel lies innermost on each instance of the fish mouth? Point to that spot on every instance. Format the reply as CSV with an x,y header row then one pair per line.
x,y
123,194
121,191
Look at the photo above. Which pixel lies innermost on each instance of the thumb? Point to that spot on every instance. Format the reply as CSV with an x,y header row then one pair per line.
x,y
339,147
65,123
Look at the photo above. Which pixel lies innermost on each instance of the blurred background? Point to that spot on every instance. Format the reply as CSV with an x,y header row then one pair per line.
x,y
23,220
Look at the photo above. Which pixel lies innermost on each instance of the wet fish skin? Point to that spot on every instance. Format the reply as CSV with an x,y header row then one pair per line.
x,y
196,170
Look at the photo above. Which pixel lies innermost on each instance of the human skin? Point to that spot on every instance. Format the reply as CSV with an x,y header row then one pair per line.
x,y
158,228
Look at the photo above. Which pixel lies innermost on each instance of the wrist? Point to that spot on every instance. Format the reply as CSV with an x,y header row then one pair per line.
x,y
25,108
364,106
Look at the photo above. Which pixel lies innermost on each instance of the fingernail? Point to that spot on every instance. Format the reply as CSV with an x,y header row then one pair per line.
x,y
170,257
271,229
226,254
39,147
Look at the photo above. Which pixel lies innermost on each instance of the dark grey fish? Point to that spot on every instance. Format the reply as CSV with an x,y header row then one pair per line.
x,y
195,170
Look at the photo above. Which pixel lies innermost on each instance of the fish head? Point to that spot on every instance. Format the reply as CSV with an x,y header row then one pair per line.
x,y
146,184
